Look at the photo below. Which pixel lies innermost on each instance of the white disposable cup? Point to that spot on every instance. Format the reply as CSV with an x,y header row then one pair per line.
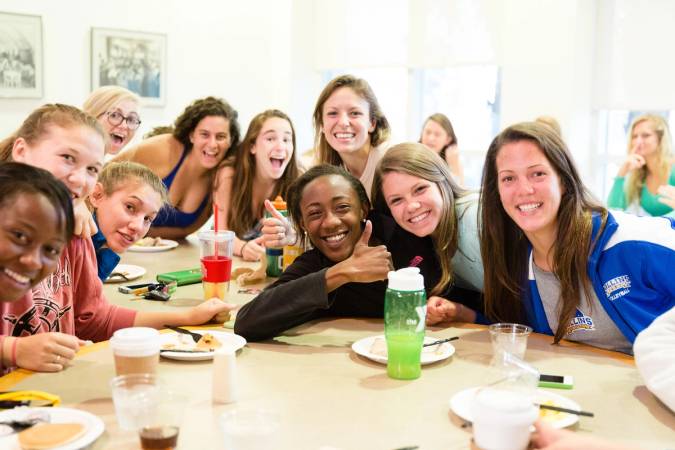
x,y
509,338
249,429
136,350
502,419
135,397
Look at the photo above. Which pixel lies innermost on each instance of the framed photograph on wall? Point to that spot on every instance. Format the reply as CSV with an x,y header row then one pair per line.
x,y
131,59
20,56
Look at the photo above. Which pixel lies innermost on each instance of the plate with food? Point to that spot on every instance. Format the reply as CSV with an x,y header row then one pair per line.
x,y
57,428
125,272
375,348
182,347
153,244
460,404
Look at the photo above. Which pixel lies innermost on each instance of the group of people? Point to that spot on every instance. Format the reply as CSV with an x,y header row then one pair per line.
x,y
532,246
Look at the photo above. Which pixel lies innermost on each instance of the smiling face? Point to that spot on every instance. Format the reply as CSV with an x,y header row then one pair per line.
x,y
120,135
434,136
126,214
529,189
74,155
31,241
346,122
210,140
644,140
415,203
332,215
273,148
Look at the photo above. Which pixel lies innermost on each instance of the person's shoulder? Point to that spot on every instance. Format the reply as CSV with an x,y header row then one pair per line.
x,y
634,229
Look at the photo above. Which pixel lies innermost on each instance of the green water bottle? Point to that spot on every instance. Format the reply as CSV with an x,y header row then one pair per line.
x,y
405,307
275,256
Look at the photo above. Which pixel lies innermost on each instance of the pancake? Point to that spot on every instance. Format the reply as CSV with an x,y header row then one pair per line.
x,y
49,435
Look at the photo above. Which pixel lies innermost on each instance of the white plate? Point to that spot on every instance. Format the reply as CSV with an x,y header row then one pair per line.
x,y
129,270
227,339
429,355
460,404
92,424
165,244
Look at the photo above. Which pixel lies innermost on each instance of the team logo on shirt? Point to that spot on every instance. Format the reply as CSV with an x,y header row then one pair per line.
x,y
580,322
617,287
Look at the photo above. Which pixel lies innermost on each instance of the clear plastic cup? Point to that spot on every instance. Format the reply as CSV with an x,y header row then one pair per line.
x,y
135,397
216,262
509,338
249,429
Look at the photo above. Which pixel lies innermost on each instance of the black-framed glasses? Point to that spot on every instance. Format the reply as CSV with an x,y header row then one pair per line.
x,y
116,118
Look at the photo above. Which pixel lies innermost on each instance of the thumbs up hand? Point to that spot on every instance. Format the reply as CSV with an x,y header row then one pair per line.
x,y
367,263
276,230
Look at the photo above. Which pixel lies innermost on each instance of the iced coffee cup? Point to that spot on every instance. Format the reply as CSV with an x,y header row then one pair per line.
x,y
136,350
216,262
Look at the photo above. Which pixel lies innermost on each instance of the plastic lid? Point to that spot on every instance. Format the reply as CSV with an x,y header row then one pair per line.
x,y
407,279
279,203
219,236
135,342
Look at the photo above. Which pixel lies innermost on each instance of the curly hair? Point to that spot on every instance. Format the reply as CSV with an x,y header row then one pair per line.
x,y
204,107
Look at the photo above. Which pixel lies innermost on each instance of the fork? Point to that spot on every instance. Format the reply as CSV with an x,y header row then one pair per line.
x,y
195,336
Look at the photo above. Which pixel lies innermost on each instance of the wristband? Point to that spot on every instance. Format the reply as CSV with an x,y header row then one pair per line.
x,y
14,352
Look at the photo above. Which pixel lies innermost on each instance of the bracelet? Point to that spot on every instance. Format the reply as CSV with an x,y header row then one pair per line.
x,y
14,351
2,350
241,250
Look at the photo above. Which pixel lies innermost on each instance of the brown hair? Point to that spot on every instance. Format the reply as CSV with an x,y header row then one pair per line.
x,y
240,216
36,126
664,155
504,247
443,121
326,154
204,107
117,175
415,159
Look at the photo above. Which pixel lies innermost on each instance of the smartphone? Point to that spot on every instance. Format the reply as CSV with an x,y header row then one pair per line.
x,y
556,381
182,277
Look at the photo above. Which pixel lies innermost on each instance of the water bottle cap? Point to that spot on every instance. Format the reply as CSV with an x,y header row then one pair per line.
x,y
407,279
279,203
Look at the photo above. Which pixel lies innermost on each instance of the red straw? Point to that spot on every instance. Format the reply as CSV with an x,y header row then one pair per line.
x,y
215,226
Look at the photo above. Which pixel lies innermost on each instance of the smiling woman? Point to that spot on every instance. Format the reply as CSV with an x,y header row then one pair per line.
x,y
187,161
116,109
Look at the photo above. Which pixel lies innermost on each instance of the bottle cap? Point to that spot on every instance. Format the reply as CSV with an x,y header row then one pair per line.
x,y
407,279
279,203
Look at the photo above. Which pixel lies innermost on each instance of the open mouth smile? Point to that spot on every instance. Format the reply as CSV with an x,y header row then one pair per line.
x,y
529,207
420,217
335,240
17,277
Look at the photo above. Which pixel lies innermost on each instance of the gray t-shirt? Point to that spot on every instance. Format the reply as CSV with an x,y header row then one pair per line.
x,y
590,324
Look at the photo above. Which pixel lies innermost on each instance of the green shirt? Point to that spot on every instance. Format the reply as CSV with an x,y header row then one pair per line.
x,y
649,203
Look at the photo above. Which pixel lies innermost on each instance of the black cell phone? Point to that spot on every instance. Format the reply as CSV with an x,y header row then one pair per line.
x,y
128,289
556,381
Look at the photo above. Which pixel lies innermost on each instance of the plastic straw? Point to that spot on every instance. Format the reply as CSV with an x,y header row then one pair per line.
x,y
215,226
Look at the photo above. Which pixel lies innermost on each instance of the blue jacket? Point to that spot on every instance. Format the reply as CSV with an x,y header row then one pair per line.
x,y
632,271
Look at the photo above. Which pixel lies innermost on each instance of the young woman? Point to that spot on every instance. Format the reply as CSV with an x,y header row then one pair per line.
x,y
439,136
116,109
350,128
340,276
414,185
263,167
187,162
35,225
645,183
558,261
126,199
43,325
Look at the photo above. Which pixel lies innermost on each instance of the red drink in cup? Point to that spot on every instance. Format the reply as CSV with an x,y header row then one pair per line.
x,y
216,259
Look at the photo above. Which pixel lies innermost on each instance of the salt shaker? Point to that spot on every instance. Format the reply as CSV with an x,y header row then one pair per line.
x,y
224,376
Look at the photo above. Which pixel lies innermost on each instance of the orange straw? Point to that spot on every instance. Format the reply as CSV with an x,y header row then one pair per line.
x,y
215,226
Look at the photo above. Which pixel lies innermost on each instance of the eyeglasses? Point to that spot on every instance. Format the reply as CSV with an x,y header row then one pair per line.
x,y
115,118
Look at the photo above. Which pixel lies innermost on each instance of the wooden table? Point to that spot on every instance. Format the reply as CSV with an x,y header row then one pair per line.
x,y
328,396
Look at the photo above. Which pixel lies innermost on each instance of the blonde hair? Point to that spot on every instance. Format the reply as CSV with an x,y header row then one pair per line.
x,y
324,152
117,175
36,125
105,98
415,159
664,155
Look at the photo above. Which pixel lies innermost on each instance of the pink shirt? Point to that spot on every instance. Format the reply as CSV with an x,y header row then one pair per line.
x,y
70,301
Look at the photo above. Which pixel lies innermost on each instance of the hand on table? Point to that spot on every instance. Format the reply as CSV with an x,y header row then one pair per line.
x,y
276,230
85,226
213,309
548,438
253,250
440,310
47,352
667,195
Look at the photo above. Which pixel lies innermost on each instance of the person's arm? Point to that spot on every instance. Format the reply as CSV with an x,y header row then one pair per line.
x,y
200,314
548,438
454,163
443,310
42,352
654,351
617,196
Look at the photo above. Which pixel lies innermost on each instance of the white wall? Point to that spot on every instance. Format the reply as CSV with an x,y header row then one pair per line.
x,y
236,50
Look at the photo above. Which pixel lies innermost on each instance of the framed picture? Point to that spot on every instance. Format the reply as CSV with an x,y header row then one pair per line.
x,y
20,56
131,59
